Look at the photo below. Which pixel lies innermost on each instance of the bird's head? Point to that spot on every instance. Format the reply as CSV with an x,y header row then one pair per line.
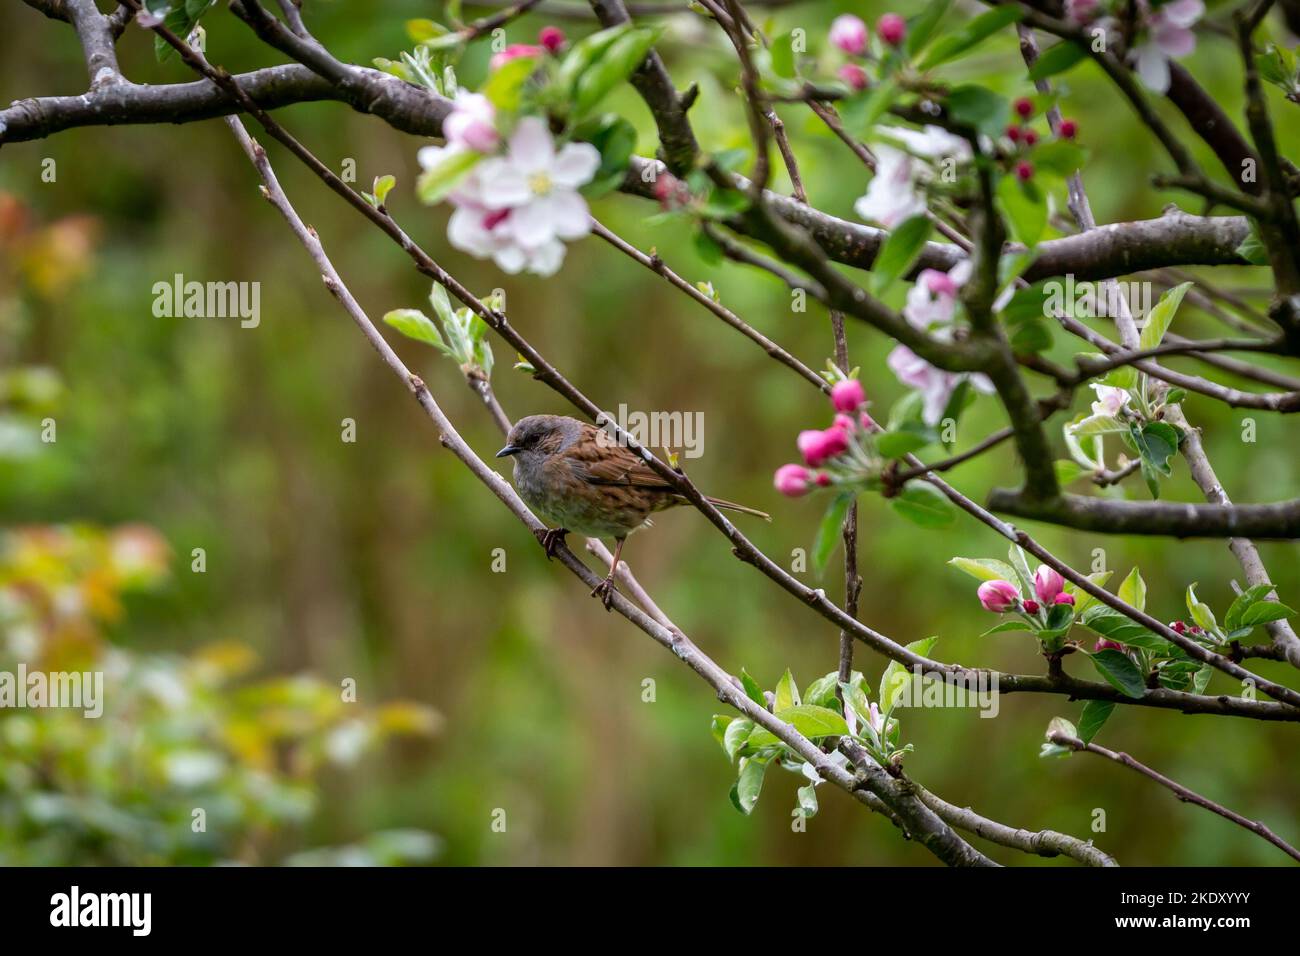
x,y
540,435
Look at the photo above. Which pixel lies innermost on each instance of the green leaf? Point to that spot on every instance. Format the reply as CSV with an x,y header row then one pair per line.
x,y
1094,715
1056,60
810,720
452,167
382,187
1134,590
924,505
979,29
505,86
1161,315
1059,156
828,532
1252,248
1068,472
736,734
856,699
614,66
896,675
907,438
899,251
783,55
752,689
414,324
180,20
822,691
1201,612
1082,599
1119,671
1007,626
921,27
1253,607
719,726
978,106
860,113
787,694
1123,630
985,569
744,794
584,53
1025,210
1264,612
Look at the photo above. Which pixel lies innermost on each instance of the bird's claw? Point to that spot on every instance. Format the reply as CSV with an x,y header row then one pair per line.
x,y
605,590
552,540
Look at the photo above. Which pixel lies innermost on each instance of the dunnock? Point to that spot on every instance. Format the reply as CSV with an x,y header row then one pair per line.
x,y
578,477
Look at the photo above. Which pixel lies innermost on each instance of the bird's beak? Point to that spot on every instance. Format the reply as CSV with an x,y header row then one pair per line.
x,y
509,450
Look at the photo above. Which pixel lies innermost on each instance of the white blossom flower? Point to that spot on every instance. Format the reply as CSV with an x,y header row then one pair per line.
x,y
472,123
933,299
932,142
891,197
517,209
934,384
811,773
1169,35
1110,400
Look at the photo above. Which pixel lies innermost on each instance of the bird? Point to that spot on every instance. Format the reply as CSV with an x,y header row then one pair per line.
x,y
582,480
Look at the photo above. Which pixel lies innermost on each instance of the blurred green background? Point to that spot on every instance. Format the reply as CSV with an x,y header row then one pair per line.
x,y
372,561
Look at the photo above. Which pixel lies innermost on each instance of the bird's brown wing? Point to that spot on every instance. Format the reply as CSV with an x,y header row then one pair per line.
x,y
598,460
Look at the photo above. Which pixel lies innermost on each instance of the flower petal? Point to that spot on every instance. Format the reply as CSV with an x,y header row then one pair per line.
x,y
531,147
575,165
532,224
569,214
502,185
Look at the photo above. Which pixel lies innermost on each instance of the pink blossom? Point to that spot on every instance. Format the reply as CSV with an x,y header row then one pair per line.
x,y
1110,399
1032,607
817,446
844,423
998,596
1064,598
847,395
854,75
891,28
471,123
1104,644
932,300
935,385
551,38
1082,11
1048,583
849,33
1169,35
513,52
792,480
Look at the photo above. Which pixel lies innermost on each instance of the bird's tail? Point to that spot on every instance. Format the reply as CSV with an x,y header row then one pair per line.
x,y
732,506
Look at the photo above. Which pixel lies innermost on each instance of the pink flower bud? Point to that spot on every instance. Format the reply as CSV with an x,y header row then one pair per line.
x,y
867,422
513,52
823,479
854,75
891,28
1064,598
551,38
792,480
1024,171
1032,607
848,395
844,423
998,596
849,33
1030,137
1068,129
1179,627
1105,644
817,446
1048,584
1024,107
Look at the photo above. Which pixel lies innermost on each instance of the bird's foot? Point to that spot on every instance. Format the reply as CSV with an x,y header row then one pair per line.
x,y
552,539
605,590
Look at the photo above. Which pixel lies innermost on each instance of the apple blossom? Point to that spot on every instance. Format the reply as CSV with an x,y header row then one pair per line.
x,y
1024,107
1032,607
1024,170
1068,129
891,28
854,75
551,38
932,300
844,423
816,445
1048,583
792,480
514,51
1110,400
935,385
1169,34
517,208
849,33
998,596
1082,11
471,123
891,196
847,395
1105,644
1064,598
